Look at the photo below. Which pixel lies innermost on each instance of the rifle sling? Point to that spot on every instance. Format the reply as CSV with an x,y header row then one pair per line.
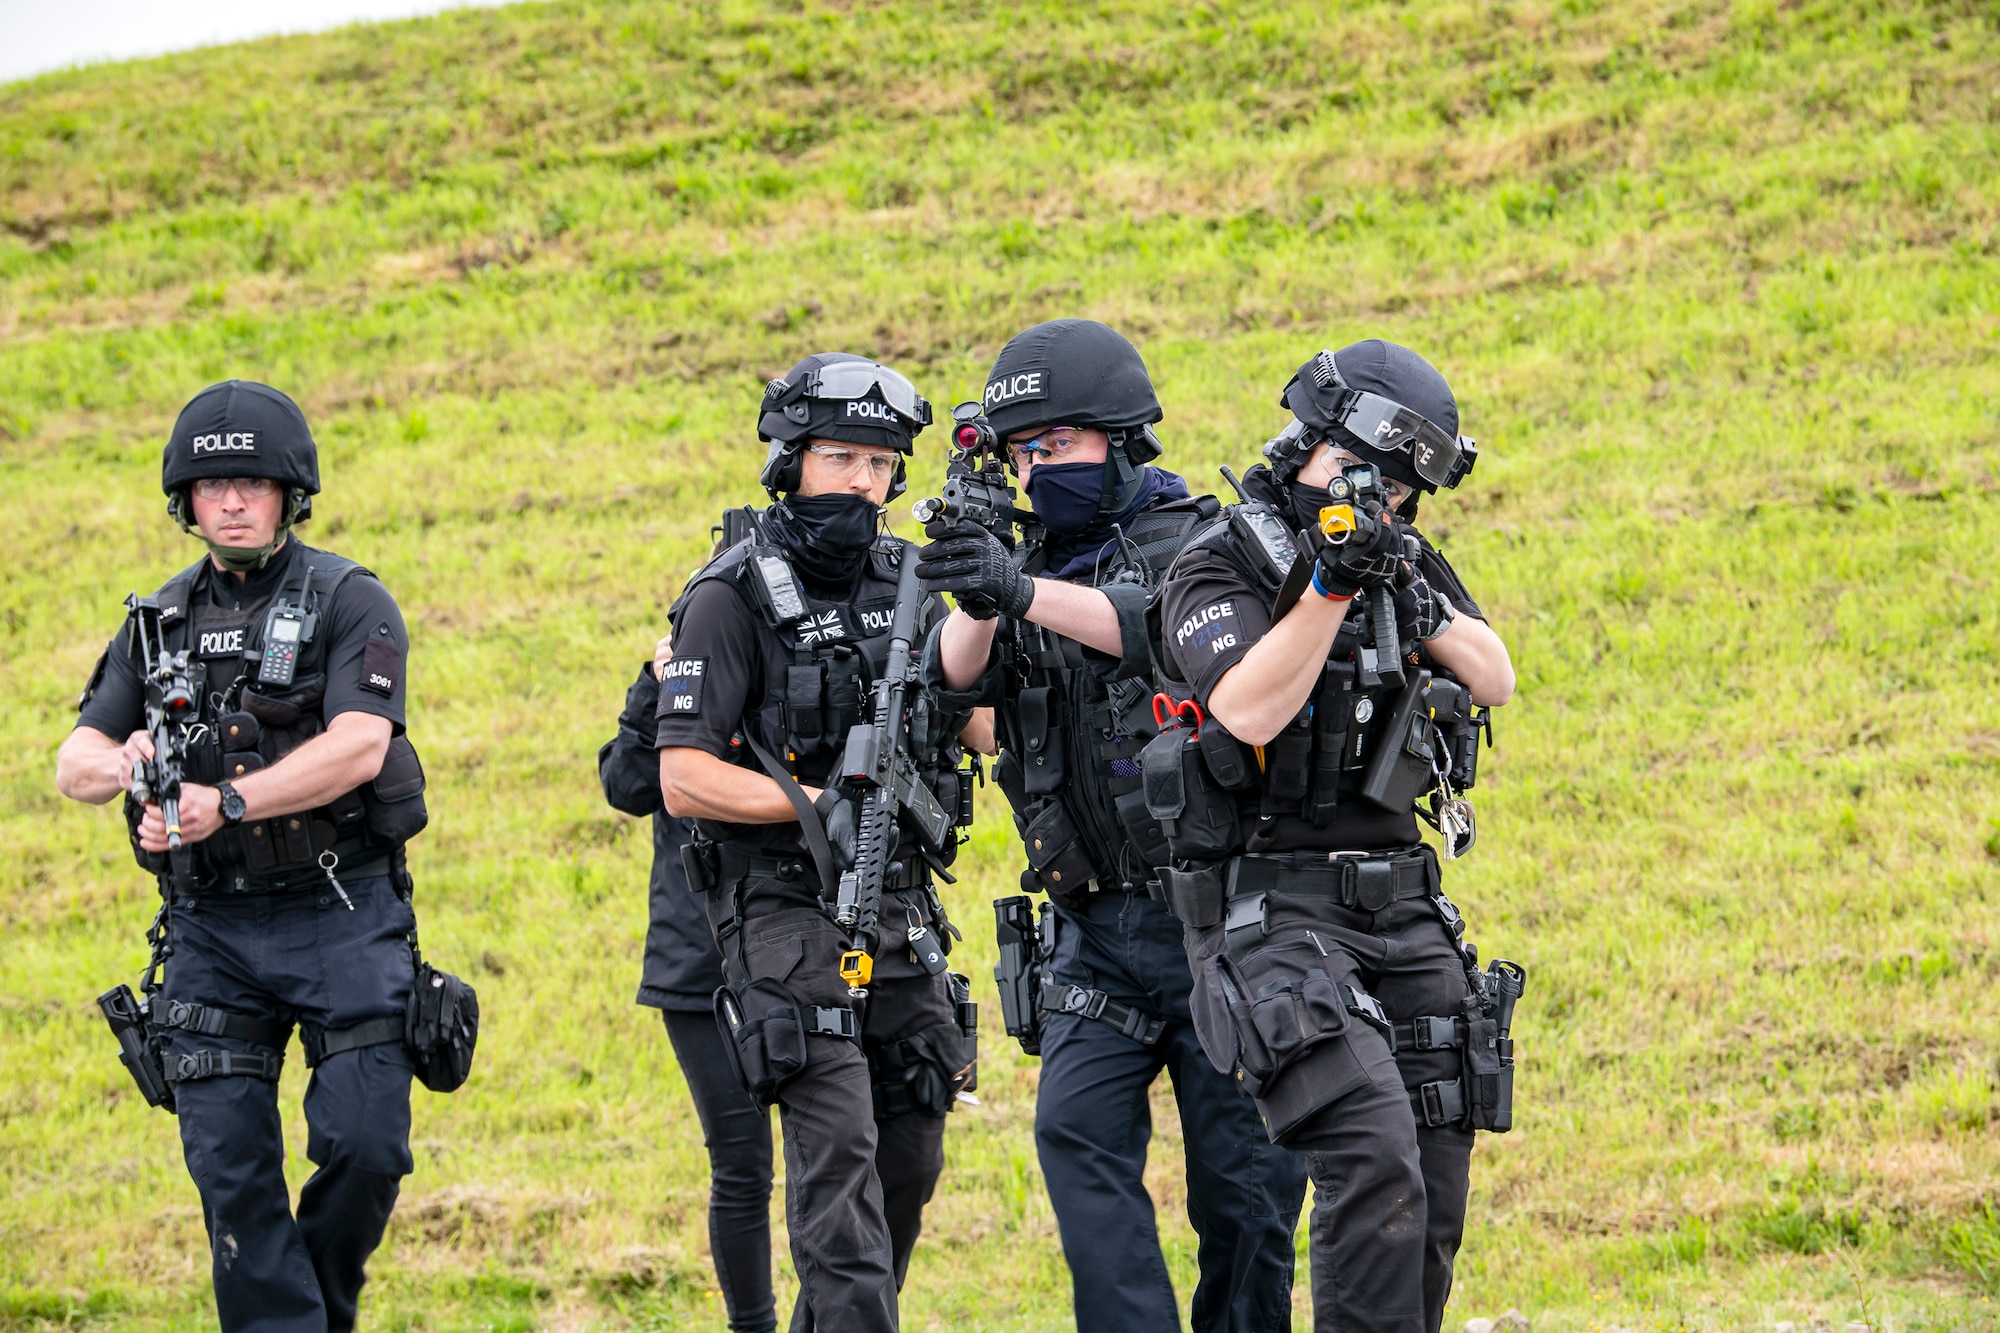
x,y
810,827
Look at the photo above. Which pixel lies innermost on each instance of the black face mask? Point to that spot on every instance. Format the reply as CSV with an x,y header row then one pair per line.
x,y
1307,501
827,536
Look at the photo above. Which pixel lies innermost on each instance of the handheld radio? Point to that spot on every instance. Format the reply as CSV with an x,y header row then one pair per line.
x,y
287,628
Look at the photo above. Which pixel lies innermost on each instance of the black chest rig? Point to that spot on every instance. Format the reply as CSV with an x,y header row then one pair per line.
x,y
1358,738
820,659
1071,734
245,725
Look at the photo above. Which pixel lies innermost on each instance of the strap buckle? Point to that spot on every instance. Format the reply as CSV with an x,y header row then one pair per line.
x,y
1433,1032
1440,1103
832,1021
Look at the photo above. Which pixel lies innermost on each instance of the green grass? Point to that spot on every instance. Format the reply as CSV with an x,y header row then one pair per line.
x,y
1718,285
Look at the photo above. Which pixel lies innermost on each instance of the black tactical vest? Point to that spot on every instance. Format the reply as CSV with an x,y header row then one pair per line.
x,y
1070,737
820,659
244,726
1356,740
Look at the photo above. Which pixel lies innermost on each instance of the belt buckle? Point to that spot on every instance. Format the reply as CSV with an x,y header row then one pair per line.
x,y
1374,884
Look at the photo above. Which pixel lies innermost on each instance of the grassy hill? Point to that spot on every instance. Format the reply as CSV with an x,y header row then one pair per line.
x,y
1718,285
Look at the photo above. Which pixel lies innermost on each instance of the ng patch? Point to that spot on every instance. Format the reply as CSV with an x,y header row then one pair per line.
x,y
681,682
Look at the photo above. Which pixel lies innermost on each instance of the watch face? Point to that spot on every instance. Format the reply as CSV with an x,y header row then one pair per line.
x,y
233,806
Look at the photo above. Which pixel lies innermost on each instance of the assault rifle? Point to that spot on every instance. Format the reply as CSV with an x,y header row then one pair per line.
x,y
977,488
1360,510
879,762
171,704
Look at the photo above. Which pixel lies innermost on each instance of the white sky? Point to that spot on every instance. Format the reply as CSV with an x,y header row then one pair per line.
x,y
41,35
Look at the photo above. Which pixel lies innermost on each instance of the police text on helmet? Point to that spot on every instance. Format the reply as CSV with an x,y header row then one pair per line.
x,y
1027,384
225,442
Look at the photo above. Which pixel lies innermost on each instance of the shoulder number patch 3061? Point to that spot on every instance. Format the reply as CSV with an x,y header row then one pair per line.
x,y
680,686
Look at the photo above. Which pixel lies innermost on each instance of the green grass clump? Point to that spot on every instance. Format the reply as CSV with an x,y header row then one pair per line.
x,y
1717,283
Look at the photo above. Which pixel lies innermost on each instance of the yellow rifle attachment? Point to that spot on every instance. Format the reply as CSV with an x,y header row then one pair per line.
x,y
1336,522
857,969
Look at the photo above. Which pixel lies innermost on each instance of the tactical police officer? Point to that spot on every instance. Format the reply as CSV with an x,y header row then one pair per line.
x,y
286,897
1331,980
779,644
1056,631
681,972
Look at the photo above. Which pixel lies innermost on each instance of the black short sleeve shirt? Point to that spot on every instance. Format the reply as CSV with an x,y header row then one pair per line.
x,y
718,660
361,644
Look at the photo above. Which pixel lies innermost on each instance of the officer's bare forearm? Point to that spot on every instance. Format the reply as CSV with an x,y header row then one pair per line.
x,y
978,733
1472,652
348,753
697,785
90,766
1079,613
965,647
1260,694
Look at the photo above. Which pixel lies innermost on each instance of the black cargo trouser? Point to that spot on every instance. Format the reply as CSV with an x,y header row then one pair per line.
x,y
855,1185
737,1133
1389,1195
1093,1121
298,957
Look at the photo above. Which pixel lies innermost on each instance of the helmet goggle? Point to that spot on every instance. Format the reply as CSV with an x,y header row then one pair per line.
x,y
1382,423
850,381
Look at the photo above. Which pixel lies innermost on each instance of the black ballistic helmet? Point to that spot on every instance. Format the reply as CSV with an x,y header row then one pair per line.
x,y
1381,402
240,428
837,396
1078,372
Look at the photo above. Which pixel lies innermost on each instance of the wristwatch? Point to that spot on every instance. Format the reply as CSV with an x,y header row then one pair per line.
x,y
233,806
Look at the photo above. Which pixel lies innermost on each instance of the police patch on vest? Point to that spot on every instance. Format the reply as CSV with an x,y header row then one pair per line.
x,y
877,618
381,666
1025,387
224,642
824,626
680,686
1213,627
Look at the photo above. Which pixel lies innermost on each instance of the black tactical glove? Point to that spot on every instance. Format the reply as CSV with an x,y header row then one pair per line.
x,y
969,562
842,817
1421,610
1368,559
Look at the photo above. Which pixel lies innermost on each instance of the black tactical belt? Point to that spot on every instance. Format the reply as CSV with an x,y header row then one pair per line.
x,y
232,881
1142,1027
1366,884
740,865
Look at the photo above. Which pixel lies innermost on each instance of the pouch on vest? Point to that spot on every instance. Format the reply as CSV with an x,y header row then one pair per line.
x,y
1223,754
1288,766
394,801
805,707
1204,824
441,1028
1042,763
1194,895
763,1034
1404,765
1055,850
